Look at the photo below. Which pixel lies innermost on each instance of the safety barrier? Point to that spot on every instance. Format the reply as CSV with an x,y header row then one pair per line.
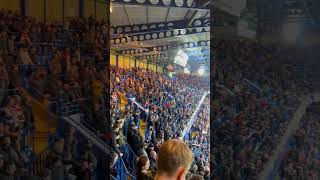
x,y
130,157
122,171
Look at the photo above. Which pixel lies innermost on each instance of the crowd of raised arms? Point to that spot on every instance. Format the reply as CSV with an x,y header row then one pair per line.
x,y
65,63
255,99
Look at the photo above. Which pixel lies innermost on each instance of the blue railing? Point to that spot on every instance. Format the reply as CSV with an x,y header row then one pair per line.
x,y
130,157
122,171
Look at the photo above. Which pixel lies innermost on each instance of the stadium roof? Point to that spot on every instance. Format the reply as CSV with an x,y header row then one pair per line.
x,y
148,27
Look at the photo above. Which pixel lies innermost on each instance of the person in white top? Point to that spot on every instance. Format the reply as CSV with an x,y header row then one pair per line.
x,y
24,57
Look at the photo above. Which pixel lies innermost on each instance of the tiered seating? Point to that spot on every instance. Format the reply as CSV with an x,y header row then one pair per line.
x,y
250,120
199,139
169,103
35,56
63,69
301,159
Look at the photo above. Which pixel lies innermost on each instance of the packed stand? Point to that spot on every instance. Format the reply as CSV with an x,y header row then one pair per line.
x,y
170,104
199,139
66,64
301,159
256,95
16,119
37,55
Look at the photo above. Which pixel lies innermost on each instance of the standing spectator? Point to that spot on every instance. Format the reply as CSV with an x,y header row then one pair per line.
x,y
174,160
143,165
153,160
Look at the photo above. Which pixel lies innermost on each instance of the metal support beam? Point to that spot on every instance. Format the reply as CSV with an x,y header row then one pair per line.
x,y
62,1
127,14
117,60
160,26
174,3
44,10
167,47
81,8
147,14
95,9
158,35
155,56
167,15
23,7
190,21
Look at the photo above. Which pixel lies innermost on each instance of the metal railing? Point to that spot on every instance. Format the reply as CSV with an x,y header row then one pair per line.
x,y
122,171
193,117
130,157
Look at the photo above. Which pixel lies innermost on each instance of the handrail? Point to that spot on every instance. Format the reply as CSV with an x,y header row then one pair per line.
x,y
252,84
193,117
174,119
112,177
169,95
125,168
139,105
227,89
7,90
130,156
88,134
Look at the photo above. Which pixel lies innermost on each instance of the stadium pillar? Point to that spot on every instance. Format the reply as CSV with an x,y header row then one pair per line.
x,y
44,10
81,8
95,9
135,63
23,7
117,60
63,11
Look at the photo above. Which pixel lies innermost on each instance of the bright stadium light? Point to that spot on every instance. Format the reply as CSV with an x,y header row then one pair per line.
x,y
186,70
201,71
291,31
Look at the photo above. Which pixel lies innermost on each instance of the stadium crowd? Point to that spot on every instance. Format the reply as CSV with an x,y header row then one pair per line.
x,y
256,96
199,138
301,159
65,63
170,106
